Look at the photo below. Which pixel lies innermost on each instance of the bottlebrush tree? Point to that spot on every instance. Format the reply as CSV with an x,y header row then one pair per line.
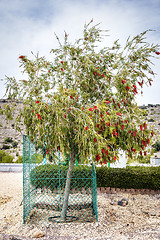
x,y
84,102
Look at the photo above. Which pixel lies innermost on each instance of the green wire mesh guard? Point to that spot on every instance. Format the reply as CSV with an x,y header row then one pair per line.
x,y
44,185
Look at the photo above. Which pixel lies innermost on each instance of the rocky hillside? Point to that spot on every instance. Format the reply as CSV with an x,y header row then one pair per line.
x,y
11,140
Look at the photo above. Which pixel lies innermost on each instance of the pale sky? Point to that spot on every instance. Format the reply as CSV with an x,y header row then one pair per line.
x,y
29,25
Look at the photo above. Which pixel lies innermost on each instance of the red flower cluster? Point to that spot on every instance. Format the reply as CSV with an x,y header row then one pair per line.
x,y
135,89
39,116
98,157
37,101
127,88
95,140
21,57
141,127
104,151
86,128
158,53
119,114
71,97
91,109
134,134
124,81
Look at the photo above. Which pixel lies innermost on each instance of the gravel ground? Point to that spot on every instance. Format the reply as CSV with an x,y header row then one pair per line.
x,y
139,219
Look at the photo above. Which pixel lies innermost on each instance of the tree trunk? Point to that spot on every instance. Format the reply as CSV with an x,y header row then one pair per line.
x,y
67,187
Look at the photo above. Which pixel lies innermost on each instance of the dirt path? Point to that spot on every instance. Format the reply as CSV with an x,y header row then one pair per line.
x,y
139,219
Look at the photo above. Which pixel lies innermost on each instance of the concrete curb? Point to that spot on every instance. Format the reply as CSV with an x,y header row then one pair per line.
x,y
11,167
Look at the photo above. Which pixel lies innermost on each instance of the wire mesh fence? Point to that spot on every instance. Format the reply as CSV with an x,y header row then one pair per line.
x,y
44,185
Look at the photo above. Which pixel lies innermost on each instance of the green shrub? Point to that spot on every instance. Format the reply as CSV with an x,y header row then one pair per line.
x,y
130,177
8,140
156,146
50,176
14,144
6,146
5,157
20,159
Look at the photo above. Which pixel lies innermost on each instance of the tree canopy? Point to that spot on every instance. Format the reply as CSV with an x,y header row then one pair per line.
x,y
85,99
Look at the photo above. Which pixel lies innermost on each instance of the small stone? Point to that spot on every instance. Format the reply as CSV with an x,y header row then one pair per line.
x,y
123,202
153,214
38,234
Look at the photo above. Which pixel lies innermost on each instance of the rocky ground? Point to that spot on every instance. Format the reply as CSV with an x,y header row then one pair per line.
x,y
135,217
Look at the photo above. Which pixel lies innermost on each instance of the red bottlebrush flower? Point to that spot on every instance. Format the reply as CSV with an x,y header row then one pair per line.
x,y
103,75
83,108
102,115
144,143
69,109
134,134
141,153
141,127
58,148
125,121
71,97
64,116
95,107
76,128
119,114
39,116
118,105
21,57
145,153
97,125
145,125
124,81
133,149
107,113
108,102
106,152
148,141
152,134
62,62
95,140
86,128
129,131
140,83
98,157
61,69
105,161
32,111
114,158
108,147
127,88
103,150
95,73
134,86
91,109
37,101
122,127
158,53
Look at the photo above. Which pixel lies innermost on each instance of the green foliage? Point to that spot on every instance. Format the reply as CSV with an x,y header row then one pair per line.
x,y
151,120
8,140
156,146
5,157
20,159
50,176
131,177
6,146
14,144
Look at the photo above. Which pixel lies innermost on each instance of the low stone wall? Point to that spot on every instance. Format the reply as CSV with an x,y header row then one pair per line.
x,y
132,190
